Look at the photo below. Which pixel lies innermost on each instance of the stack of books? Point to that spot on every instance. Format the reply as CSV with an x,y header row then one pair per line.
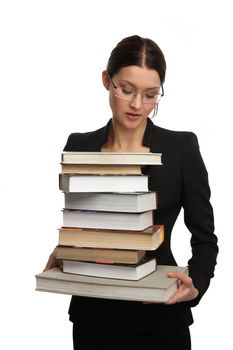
x,y
108,230
108,215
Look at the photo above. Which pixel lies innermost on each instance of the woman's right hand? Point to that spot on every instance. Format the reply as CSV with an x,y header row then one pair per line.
x,y
53,261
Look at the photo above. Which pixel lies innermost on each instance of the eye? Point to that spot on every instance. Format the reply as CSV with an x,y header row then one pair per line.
x,y
151,96
127,91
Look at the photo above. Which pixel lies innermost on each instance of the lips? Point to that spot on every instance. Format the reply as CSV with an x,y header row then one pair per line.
x,y
134,115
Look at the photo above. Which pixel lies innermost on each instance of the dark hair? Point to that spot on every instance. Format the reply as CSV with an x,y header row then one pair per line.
x,y
137,51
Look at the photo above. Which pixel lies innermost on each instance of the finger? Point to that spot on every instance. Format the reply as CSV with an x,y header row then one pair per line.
x,y
52,262
173,299
182,294
181,277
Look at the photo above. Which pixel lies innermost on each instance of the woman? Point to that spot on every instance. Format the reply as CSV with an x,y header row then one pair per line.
x,y
134,79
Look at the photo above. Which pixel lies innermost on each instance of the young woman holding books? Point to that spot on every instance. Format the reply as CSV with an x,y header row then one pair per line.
x,y
134,79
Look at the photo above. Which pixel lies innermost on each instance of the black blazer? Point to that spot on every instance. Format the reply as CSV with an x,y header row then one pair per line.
x,y
182,181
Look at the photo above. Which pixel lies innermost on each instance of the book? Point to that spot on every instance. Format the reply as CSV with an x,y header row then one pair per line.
x,y
117,271
107,220
149,239
121,158
107,255
103,183
156,287
100,169
134,202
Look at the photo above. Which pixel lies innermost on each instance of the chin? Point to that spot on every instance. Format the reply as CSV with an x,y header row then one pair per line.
x,y
131,122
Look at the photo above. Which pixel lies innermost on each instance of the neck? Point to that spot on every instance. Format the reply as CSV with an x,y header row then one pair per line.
x,y
126,140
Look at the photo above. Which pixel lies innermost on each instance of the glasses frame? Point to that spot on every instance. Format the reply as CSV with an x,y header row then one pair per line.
x,y
137,92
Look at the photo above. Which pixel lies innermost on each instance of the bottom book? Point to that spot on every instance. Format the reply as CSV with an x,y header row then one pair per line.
x,y
156,287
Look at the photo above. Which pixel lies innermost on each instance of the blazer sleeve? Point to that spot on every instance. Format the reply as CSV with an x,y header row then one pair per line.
x,y
198,217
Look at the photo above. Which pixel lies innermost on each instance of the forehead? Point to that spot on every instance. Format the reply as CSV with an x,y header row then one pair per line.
x,y
139,76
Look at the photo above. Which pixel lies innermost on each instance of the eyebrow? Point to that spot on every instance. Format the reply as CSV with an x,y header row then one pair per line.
x,y
128,82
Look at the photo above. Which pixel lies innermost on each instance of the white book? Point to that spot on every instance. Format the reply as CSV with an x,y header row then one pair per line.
x,y
103,183
121,202
107,220
118,271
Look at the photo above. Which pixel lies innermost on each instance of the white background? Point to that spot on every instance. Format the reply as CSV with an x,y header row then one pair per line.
x,y
52,56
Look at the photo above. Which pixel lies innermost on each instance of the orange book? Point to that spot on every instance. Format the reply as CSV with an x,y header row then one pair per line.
x,y
149,239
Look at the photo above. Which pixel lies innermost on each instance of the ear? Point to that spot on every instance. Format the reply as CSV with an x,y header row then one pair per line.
x,y
105,79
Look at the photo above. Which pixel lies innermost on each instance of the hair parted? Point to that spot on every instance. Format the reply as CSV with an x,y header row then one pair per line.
x,y
137,51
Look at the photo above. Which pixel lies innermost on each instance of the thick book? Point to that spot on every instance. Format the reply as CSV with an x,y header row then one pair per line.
x,y
149,239
103,169
134,202
103,183
156,287
107,220
117,271
122,158
106,255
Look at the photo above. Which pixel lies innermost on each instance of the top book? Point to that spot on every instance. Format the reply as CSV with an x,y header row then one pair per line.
x,y
111,158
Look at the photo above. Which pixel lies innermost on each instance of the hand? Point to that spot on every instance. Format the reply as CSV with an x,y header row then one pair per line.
x,y
53,261
186,290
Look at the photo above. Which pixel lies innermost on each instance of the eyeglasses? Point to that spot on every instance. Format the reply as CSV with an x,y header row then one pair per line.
x,y
128,94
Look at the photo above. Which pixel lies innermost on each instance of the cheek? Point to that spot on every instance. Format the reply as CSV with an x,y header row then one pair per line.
x,y
148,109
115,104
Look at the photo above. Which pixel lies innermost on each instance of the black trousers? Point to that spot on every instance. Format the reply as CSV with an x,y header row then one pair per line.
x,y
147,327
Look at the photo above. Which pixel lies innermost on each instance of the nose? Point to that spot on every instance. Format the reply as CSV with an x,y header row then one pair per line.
x,y
136,101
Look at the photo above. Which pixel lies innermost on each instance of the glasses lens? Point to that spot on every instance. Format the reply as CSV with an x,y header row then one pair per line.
x,y
151,98
128,94
125,93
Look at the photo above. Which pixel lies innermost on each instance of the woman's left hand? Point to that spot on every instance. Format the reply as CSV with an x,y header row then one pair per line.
x,y
186,290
